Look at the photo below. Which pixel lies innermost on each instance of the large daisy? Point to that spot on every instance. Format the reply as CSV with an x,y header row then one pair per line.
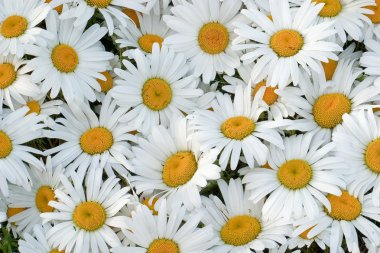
x,y
84,218
158,88
203,32
238,223
234,128
91,141
370,60
285,42
170,163
72,61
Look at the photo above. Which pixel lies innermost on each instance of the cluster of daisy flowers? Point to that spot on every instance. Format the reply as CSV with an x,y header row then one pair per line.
x,y
190,126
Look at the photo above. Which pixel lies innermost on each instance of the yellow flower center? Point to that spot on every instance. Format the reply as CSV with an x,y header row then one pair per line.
x,y
213,38
329,68
331,8
286,42
96,140
372,156
6,145
12,211
303,235
99,3
328,109
179,169
89,216
147,40
132,14
64,58
58,8
240,230
56,251
238,127
270,97
295,174
107,84
34,107
156,94
344,207
43,196
151,205
8,75
14,26
163,245
375,17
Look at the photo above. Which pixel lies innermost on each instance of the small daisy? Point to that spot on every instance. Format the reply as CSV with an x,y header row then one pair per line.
x,y
37,200
238,223
72,61
203,32
91,141
164,233
298,177
347,215
152,29
234,128
40,105
84,218
16,129
158,88
18,25
283,43
170,162
36,242
371,60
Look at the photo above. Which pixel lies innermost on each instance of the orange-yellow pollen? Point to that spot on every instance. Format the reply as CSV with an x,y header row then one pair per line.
x,y
89,216
286,42
213,38
331,8
132,14
179,169
240,230
163,245
6,145
156,94
107,84
238,127
8,75
96,140
375,17
44,195
56,251
295,174
64,58
303,235
58,8
12,211
150,204
329,68
147,40
34,107
270,97
372,156
99,3
345,207
13,26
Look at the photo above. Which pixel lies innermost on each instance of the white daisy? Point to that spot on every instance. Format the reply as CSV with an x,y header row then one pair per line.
x,y
91,141
238,223
16,129
348,214
298,177
168,232
170,162
36,242
72,61
157,89
18,22
373,28
234,128
84,218
284,45
371,60
203,32
35,201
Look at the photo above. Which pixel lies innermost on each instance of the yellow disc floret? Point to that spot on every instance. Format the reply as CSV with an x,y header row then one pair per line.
x,y
99,3
179,169
107,84
240,230
34,107
328,109
96,140
213,38
89,216
147,40
13,26
329,68
64,58
345,207
8,75
295,174
12,211
58,8
163,245
372,156
156,94
132,14
303,235
150,204
331,8
286,42
238,127
56,251
43,196
6,145
375,17
270,97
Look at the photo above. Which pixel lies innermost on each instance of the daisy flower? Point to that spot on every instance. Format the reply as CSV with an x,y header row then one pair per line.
x,y
347,215
373,28
152,29
16,129
111,77
72,61
238,223
35,201
170,162
40,105
157,89
84,218
164,233
285,43
203,32
370,60
234,127
15,81
326,102
298,177
91,141
36,242
18,22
